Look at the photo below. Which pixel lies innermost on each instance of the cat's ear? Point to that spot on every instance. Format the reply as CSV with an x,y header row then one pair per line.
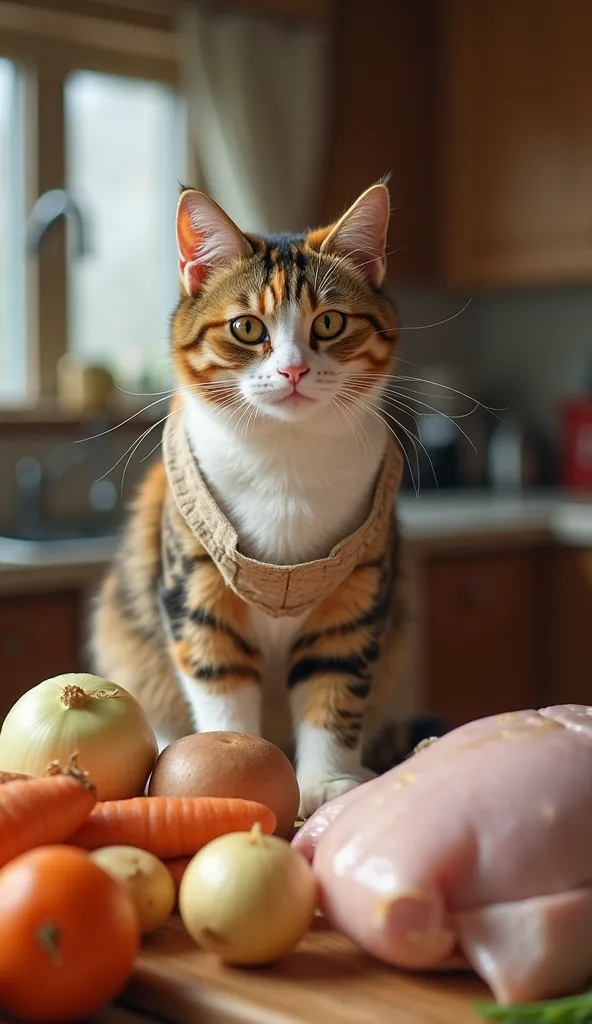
x,y
360,234
206,238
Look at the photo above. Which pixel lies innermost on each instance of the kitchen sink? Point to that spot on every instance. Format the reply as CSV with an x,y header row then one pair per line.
x,y
48,533
47,544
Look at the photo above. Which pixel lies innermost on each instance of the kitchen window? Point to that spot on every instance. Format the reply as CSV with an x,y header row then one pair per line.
x,y
91,156
12,336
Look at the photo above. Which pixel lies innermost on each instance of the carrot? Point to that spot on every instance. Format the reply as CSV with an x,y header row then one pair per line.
x,y
170,826
176,867
41,812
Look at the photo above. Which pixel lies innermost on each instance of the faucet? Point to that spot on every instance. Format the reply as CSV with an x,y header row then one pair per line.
x,y
47,210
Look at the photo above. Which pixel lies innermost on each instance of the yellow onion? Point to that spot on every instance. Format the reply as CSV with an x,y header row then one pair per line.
x,y
248,897
79,713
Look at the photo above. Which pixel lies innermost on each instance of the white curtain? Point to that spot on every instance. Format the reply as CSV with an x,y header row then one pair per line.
x,y
257,93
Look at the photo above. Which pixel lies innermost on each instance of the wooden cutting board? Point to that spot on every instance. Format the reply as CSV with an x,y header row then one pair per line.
x,y
325,981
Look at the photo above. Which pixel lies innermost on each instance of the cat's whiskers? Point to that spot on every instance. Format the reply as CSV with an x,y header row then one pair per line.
x,y
432,383
134,415
251,418
158,443
232,406
432,394
355,400
144,394
248,406
354,425
164,395
390,395
403,402
142,438
132,448
426,327
369,406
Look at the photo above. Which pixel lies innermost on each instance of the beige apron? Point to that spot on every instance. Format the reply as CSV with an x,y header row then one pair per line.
x,y
275,589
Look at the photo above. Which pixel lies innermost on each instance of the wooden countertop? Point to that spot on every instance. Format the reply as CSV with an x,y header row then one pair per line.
x,y
325,981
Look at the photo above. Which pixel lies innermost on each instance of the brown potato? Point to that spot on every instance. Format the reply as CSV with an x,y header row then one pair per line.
x,y
229,764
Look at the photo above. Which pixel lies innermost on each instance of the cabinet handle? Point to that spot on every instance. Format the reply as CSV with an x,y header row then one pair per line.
x,y
13,645
476,592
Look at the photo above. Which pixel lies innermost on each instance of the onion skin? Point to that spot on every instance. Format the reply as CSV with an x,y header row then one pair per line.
x,y
79,713
247,897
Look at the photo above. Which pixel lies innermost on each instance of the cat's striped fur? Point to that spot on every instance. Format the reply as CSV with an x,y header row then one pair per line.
x,y
286,436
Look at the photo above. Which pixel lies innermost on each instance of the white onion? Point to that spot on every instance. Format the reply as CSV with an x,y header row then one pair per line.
x,y
83,714
248,897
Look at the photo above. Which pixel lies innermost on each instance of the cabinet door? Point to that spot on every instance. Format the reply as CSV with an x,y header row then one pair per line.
x,y
39,638
483,634
517,141
381,121
570,596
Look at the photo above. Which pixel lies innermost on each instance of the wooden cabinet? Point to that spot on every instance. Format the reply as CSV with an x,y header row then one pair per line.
x,y
39,638
381,121
570,607
483,629
516,141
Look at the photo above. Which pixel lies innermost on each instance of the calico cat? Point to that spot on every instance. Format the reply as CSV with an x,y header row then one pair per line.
x,y
281,348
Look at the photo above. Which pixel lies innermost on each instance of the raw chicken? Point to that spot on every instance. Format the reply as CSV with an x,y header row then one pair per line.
x,y
481,843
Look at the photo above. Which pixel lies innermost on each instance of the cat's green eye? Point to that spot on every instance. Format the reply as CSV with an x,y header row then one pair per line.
x,y
248,329
328,325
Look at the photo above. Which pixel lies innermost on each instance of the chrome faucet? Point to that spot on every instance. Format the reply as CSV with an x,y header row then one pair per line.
x,y
48,209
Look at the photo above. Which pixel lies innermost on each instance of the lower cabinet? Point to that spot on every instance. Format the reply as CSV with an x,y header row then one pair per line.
x,y
484,633
570,609
40,636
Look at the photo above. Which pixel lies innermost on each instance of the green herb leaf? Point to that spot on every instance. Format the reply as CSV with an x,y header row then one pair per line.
x,y
571,1010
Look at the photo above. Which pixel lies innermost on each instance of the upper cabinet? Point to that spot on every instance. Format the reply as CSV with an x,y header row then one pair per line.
x,y
515,140
381,121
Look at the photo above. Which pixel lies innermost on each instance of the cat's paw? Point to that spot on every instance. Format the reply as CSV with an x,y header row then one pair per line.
x,y
316,792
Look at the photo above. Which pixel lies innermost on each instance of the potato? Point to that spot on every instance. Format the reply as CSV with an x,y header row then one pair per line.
x,y
230,764
146,879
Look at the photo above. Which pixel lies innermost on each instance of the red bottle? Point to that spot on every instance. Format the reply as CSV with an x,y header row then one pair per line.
x,y
576,419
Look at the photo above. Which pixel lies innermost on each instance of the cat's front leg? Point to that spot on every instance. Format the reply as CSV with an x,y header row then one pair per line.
x,y
217,708
327,703
331,675
328,755
218,668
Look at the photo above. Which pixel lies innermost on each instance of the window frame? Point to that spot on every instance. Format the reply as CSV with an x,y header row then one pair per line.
x,y
48,46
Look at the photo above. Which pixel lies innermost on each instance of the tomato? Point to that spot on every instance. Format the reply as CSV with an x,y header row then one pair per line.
x,y
69,935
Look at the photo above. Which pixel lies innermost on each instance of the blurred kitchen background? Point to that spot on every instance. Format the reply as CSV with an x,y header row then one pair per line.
x,y
284,110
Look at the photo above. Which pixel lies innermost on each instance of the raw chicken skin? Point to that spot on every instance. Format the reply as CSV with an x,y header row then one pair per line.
x,y
481,842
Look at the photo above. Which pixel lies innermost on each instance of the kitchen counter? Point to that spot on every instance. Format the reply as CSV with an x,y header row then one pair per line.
x,y
544,517
325,979
448,518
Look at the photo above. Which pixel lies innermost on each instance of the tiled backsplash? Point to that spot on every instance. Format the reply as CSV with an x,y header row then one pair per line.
x,y
530,348
67,490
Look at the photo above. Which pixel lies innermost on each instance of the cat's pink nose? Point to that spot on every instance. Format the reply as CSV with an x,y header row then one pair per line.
x,y
294,373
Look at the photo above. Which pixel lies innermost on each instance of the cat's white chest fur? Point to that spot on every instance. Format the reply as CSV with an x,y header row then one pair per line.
x,y
292,493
